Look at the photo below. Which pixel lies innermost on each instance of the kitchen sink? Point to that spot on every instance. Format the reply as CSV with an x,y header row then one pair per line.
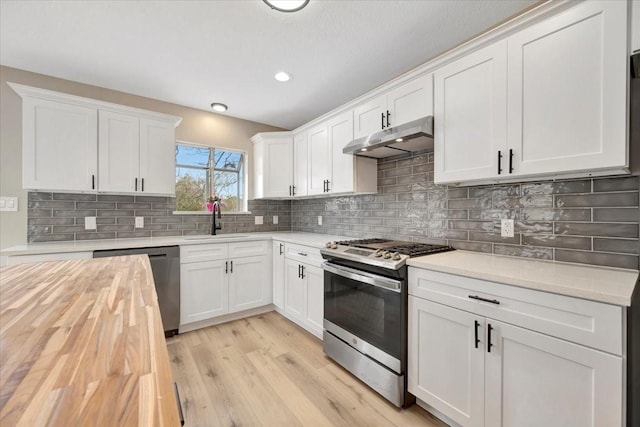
x,y
216,237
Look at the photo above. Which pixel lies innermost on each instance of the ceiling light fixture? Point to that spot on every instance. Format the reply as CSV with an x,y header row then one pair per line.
x,y
282,76
363,149
399,140
286,5
220,108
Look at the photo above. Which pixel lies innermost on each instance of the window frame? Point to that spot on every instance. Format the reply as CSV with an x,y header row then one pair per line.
x,y
209,170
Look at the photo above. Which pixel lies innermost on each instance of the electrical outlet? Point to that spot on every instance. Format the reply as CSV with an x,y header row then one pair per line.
x,y
319,219
259,220
90,223
139,222
275,219
506,228
9,204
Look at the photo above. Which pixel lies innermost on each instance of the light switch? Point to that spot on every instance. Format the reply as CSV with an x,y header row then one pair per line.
x,y
319,219
90,223
139,222
275,219
9,204
259,220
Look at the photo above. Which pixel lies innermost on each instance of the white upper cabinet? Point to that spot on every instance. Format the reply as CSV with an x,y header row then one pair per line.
x,y
273,165
548,100
319,163
300,169
72,143
410,101
635,26
135,155
340,130
470,115
59,146
567,91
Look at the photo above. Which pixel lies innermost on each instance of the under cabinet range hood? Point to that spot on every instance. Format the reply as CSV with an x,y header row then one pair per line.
x,y
416,135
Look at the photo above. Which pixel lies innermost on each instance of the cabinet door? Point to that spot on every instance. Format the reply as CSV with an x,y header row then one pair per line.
x,y
367,117
278,167
278,274
411,101
300,168
445,369
118,152
568,90
536,380
59,146
294,292
340,130
314,278
470,100
319,160
203,291
157,157
249,283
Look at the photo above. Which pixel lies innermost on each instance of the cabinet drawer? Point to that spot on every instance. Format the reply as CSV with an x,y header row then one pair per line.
x,y
306,254
590,323
243,249
208,252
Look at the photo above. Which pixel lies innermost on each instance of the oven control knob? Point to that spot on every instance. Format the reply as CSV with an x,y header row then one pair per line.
x,y
386,255
396,256
378,253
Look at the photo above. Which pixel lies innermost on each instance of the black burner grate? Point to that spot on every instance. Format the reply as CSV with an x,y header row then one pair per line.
x,y
362,242
418,249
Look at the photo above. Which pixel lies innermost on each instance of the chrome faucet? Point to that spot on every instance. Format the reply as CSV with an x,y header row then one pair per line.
x,y
214,226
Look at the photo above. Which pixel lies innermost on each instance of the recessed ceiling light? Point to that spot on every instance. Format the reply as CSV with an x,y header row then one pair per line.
x,y
283,76
286,5
221,108
363,149
399,140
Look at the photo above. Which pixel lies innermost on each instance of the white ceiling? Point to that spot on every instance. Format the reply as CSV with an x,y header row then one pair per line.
x,y
196,52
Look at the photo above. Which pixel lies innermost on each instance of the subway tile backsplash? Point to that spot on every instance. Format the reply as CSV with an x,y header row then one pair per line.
x,y
60,217
591,221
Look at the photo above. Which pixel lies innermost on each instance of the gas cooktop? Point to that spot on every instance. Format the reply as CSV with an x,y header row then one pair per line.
x,y
385,253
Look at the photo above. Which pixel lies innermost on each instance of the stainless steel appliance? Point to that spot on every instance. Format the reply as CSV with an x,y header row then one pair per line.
x,y
365,310
165,264
393,140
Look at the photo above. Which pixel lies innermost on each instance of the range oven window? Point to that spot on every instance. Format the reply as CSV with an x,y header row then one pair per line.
x,y
371,313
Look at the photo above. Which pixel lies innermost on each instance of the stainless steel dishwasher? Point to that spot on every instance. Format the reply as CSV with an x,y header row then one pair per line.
x,y
165,264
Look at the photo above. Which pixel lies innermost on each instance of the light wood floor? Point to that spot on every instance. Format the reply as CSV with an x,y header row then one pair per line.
x,y
266,371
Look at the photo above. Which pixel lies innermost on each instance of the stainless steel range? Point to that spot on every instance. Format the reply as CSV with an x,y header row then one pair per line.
x,y
365,310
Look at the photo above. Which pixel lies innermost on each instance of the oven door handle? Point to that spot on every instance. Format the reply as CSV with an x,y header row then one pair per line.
x,y
361,276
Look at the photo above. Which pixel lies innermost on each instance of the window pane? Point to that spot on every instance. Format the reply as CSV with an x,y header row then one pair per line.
x,y
191,189
192,156
227,185
227,160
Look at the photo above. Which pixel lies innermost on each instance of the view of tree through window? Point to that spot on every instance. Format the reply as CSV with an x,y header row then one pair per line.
x,y
205,172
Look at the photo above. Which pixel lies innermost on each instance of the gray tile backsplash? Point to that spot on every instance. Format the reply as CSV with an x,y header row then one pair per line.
x,y
60,217
591,221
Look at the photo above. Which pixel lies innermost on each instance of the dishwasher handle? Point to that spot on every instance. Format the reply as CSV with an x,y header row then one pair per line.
x,y
157,256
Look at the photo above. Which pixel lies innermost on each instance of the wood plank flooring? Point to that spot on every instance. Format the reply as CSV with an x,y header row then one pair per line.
x,y
266,371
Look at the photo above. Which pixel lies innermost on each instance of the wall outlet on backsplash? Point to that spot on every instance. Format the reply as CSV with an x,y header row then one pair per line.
x,y
90,223
275,220
506,228
259,220
139,222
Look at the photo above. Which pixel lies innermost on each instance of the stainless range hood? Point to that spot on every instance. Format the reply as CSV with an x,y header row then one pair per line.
x,y
409,137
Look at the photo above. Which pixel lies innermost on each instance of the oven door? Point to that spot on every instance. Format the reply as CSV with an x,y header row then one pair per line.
x,y
366,311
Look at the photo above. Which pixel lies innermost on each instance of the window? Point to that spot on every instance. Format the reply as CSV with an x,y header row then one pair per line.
x,y
204,172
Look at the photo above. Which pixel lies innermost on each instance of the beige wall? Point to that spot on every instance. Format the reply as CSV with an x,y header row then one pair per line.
x,y
197,126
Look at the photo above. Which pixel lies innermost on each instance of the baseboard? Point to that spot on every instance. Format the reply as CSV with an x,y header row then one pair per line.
x,y
225,318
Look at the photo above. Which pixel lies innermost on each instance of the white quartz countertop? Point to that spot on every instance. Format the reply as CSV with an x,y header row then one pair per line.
x,y
308,239
603,284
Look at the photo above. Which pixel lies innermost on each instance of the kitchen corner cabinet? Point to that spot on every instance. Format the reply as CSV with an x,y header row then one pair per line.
x,y
135,155
59,146
223,278
548,100
79,144
486,354
300,166
277,250
304,288
273,165
397,106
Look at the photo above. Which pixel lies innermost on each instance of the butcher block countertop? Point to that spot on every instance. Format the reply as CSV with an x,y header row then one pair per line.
x,y
82,343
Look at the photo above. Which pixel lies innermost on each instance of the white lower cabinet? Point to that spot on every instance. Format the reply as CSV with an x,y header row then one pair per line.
x,y
278,274
473,367
304,288
215,280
